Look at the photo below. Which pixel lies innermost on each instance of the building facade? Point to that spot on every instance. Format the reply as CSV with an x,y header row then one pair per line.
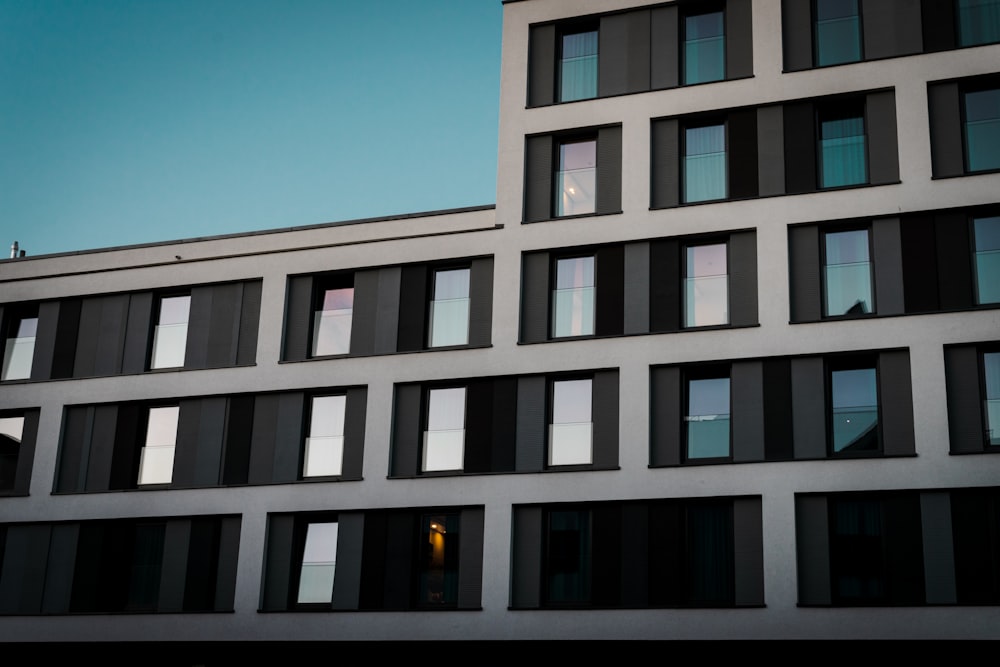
x,y
722,362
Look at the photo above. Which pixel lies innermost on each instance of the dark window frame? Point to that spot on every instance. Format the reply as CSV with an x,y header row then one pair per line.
x,y
299,532
563,30
978,84
13,315
693,123
842,107
694,242
847,362
554,260
425,408
836,229
432,271
981,352
691,10
324,282
814,9
559,141
710,371
550,403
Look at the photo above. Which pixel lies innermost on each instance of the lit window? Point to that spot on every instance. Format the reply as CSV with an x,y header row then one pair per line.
x,y
170,334
854,410
11,432
706,286
982,129
444,439
324,451
576,178
571,431
978,22
705,163
19,348
848,275
991,369
707,418
438,568
838,32
842,147
987,233
319,563
573,297
449,317
332,321
578,66
704,48
156,462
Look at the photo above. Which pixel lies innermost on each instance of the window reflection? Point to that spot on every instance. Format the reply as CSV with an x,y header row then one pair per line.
x,y
170,334
319,563
324,451
573,298
848,279
705,163
11,432
991,369
332,322
578,66
438,568
571,431
978,22
704,48
854,398
156,461
576,178
449,316
19,348
707,419
842,149
706,286
982,129
987,234
838,32
444,439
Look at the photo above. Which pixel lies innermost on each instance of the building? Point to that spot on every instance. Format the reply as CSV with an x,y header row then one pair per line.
x,y
722,362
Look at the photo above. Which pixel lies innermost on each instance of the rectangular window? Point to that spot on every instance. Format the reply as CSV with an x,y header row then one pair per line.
x,y
843,158
170,333
578,66
567,557
573,297
706,286
332,318
707,420
19,348
437,574
982,129
444,439
324,450
319,563
572,428
704,52
853,409
857,567
978,22
576,178
449,316
991,408
847,278
704,169
838,32
11,432
156,461
987,239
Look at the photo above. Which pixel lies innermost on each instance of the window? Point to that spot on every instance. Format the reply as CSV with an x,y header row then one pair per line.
x,y
706,286
573,297
578,66
170,333
857,561
449,316
838,32
11,434
332,318
324,450
568,557
156,462
704,163
319,563
437,577
571,429
847,277
444,439
854,422
842,145
706,432
704,53
576,178
982,129
987,242
991,408
19,346
978,22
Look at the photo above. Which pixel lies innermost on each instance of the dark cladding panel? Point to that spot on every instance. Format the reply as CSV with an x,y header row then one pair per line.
x,y
387,310
665,409
665,186
777,417
224,325
538,178
531,427
246,346
938,546
74,449
354,432
265,428
400,541
298,318
22,572
742,153
174,569
664,50
413,304
479,426
812,540
534,297
888,261
25,454
609,291
238,439
748,552
920,267
896,394
739,39
102,446
526,557
364,316
228,551
406,435
955,283
747,411
796,34
770,150
481,301
883,151
947,157
664,286
804,272
800,147
808,408
965,416
636,271
46,335
189,425
59,568
137,340
541,65
891,28
288,437
938,19
743,278
605,419
211,432
350,538
199,326
609,170
470,574
277,576
624,53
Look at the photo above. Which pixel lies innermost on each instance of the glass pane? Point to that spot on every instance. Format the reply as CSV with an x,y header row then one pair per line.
x,y
174,310
570,444
982,129
567,558
855,410
578,67
327,416
987,233
573,299
978,22
576,180
707,418
571,401
704,48
449,322
710,544
991,368
169,345
439,542
156,461
838,34
706,288
705,163
842,144
332,324
11,428
324,456
17,356
161,428
446,409
848,280
444,450
319,563
451,284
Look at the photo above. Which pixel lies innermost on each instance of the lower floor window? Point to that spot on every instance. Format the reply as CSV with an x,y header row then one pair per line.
x,y
319,563
707,420
571,429
438,564
156,461
854,409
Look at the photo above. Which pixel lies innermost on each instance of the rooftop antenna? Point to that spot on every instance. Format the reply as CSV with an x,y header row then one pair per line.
x,y
13,250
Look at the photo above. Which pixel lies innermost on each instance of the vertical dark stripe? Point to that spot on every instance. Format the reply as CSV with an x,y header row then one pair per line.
x,y
609,291
920,267
635,555
665,286
812,540
288,439
809,408
939,552
481,301
800,147
239,434
804,273
75,442
26,454
605,419
965,403
609,170
22,580
275,589
747,408
665,186
189,432
347,581
400,545
373,559
211,434
613,54
414,301
46,335
387,310
246,346
111,335
265,428
365,312
354,432
896,397
666,548
174,568
224,325
891,28
606,555
771,150
504,438
538,178
203,565
534,297
137,332
470,573
664,49
479,426
526,557
742,153
954,251
87,339
102,446
777,417
636,288
64,353
938,24
973,519
743,278
665,416
883,148
129,438
59,568
904,555
199,327
406,431
541,65
796,34
947,155
531,424
888,261
228,552
739,39
748,552
299,318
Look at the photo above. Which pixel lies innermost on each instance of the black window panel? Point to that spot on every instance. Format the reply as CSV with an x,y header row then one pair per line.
x,y
778,442
504,438
202,565
374,559
938,25
64,348
147,560
479,427
666,554
709,565
538,178
100,454
239,433
100,581
609,289
249,314
665,163
413,304
665,286
954,252
741,153
904,549
975,518
138,332
298,318
400,560
609,171
101,336
354,432
800,148
129,437
481,301
406,435
857,558
567,558
606,545
920,268
542,50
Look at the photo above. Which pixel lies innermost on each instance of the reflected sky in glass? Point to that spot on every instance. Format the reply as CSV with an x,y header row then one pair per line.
x,y
327,418
447,409
571,401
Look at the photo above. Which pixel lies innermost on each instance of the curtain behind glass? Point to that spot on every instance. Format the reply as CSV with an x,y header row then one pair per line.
x,y
991,369
704,48
705,163
838,32
842,144
978,22
982,129
987,232
710,548
578,67
568,559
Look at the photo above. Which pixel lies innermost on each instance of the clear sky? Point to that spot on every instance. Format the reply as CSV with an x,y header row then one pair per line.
x,y
136,121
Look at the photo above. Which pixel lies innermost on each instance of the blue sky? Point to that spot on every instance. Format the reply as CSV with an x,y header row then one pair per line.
x,y
136,121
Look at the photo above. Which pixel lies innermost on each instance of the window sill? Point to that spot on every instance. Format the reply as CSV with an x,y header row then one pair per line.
x,y
385,354
721,327
582,216
529,107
